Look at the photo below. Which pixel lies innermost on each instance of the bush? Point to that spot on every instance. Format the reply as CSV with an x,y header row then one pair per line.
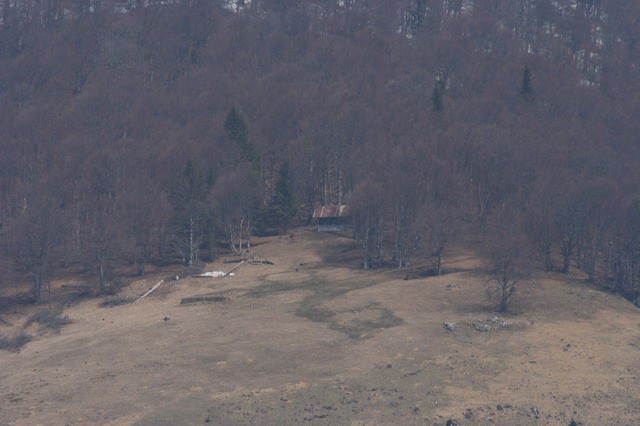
x,y
115,285
14,343
50,318
111,302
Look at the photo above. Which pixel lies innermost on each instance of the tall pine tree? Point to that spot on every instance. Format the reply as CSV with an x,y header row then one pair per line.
x,y
527,88
437,96
237,131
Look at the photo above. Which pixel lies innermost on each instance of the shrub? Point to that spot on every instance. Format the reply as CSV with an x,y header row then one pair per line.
x,y
50,318
14,343
111,302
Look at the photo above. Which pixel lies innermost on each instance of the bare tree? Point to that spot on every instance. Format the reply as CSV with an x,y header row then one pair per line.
x,y
37,237
102,233
366,207
439,224
143,212
510,262
237,198
188,196
440,217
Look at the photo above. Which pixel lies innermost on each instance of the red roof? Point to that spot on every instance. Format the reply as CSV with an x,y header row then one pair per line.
x,y
339,210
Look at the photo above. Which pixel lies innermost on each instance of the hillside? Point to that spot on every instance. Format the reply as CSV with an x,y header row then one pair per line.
x,y
142,133
484,154
311,339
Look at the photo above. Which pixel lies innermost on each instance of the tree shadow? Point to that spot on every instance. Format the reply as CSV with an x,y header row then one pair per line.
x,y
314,307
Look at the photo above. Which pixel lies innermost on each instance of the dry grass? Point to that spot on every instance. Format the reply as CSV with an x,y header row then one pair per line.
x,y
310,340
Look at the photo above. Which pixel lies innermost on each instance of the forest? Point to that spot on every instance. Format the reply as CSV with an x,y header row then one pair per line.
x,y
152,132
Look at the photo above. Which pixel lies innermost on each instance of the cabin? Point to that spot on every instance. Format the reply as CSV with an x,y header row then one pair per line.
x,y
331,217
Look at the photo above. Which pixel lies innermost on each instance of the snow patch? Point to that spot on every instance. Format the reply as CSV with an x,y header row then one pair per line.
x,y
216,274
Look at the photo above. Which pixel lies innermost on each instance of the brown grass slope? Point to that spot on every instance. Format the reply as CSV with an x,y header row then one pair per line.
x,y
327,344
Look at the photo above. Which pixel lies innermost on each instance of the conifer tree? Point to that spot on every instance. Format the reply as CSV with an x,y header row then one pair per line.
x,y
437,96
237,131
527,88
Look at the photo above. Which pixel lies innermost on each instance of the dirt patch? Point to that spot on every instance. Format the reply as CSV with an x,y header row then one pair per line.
x,y
359,323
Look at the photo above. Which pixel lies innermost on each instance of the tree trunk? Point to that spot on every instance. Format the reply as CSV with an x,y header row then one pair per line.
x,y
37,289
504,303
566,262
378,235
548,263
365,244
101,274
567,254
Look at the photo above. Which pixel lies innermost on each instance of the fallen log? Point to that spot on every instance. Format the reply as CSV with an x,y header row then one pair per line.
x,y
148,292
116,301
76,289
234,268
205,299
260,262
234,260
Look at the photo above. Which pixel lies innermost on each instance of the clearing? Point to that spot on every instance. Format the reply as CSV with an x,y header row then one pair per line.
x,y
312,339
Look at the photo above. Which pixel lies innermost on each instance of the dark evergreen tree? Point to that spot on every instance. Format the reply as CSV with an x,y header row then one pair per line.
x,y
527,89
237,131
437,96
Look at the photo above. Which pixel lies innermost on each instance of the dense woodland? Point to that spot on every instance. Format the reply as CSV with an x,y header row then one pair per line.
x,y
142,132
